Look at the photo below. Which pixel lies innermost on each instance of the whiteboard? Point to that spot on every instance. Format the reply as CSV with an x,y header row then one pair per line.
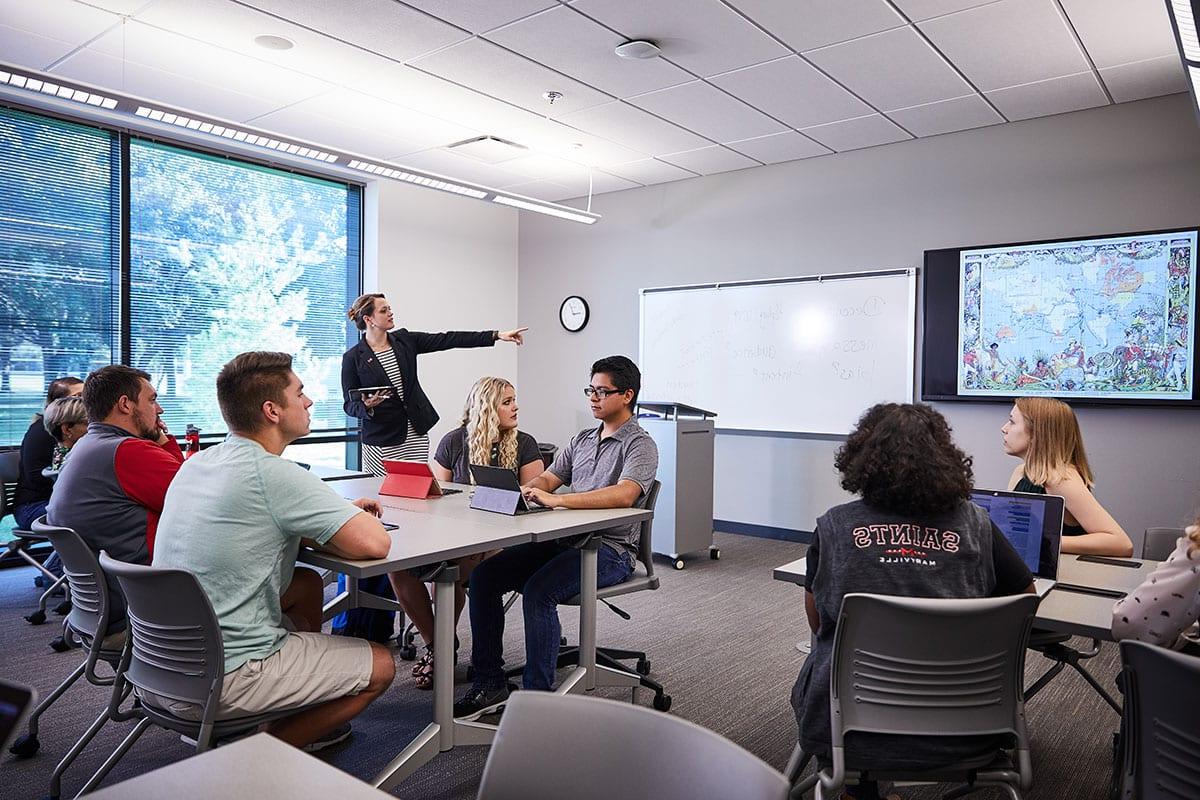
x,y
804,355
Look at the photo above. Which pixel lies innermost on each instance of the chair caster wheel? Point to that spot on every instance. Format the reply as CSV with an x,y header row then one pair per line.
x,y
408,652
63,608
36,618
662,702
643,666
715,554
60,645
25,747
678,563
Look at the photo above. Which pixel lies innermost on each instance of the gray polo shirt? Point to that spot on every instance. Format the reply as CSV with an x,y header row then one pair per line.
x,y
589,463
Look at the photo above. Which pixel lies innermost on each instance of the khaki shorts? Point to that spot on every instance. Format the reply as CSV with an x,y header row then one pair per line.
x,y
310,668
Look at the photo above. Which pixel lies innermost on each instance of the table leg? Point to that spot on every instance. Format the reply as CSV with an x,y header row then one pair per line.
x,y
588,564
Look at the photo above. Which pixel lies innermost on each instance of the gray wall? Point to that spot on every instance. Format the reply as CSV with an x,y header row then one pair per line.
x,y
1129,167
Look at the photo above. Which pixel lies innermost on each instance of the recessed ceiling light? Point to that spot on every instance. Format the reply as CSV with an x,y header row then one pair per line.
x,y
637,48
270,41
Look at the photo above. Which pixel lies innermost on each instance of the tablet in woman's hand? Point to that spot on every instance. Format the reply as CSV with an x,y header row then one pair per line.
x,y
366,390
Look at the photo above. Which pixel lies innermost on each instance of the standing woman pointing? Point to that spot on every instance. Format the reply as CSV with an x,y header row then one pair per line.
x,y
396,419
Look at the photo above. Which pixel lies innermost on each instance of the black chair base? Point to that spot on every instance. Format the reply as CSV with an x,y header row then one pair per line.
x,y
1054,647
612,658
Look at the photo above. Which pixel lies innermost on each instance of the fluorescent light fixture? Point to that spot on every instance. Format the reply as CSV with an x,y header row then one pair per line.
x,y
214,129
56,90
420,180
553,210
1185,23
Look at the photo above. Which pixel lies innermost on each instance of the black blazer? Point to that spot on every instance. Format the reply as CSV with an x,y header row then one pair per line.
x,y
388,425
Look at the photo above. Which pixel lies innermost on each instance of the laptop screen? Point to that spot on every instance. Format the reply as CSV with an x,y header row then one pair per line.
x,y
1032,523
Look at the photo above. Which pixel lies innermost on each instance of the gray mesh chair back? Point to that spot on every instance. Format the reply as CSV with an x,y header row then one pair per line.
x,y
177,651
1159,543
10,471
1162,738
88,586
646,535
543,752
930,667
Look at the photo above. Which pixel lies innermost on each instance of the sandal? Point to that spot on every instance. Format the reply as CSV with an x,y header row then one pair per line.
x,y
423,670
424,662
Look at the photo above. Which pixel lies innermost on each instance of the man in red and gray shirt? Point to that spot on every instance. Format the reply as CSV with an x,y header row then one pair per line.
x,y
111,489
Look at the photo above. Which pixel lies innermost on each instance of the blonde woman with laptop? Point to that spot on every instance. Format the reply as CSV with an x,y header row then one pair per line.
x,y
1044,434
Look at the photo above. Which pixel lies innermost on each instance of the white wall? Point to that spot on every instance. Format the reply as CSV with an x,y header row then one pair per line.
x,y
445,263
1134,166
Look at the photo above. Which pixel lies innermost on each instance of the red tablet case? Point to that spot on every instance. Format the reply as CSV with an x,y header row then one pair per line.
x,y
409,479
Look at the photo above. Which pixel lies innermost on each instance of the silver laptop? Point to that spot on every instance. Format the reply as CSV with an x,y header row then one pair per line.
x,y
1032,523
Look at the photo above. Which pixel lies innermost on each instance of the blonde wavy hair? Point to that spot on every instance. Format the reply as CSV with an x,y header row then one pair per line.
x,y
481,418
1055,441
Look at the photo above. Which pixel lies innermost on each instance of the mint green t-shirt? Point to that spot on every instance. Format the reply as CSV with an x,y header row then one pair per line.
x,y
234,517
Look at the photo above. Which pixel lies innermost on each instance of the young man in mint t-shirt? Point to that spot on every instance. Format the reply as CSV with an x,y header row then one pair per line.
x,y
235,517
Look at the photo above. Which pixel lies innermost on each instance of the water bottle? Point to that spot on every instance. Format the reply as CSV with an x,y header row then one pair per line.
x,y
192,436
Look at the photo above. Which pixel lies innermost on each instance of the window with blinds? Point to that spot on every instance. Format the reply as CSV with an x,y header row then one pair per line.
x,y
59,259
227,256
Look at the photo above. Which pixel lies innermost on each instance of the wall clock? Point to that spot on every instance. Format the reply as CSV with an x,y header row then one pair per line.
x,y
574,313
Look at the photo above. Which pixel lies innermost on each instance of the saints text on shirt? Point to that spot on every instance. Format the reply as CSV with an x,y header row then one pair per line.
x,y
905,542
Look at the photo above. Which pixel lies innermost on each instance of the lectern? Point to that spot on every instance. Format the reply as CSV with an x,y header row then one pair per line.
x,y
684,513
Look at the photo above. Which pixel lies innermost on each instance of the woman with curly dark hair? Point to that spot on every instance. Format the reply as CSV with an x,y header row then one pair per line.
x,y
913,533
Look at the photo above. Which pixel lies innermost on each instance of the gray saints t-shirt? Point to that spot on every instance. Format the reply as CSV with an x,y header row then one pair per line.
x,y
589,463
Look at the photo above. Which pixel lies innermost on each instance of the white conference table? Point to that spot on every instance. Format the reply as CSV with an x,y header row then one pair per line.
x,y
433,532
249,769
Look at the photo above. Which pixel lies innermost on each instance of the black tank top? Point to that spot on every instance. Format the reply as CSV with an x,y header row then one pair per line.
x,y
1026,485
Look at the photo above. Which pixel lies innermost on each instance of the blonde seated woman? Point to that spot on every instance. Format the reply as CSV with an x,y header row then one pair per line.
x,y
1044,434
488,436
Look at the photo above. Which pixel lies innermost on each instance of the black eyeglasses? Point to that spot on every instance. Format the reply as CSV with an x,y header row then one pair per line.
x,y
603,394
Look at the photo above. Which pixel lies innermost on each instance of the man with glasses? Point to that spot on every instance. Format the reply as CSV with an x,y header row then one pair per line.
x,y
609,466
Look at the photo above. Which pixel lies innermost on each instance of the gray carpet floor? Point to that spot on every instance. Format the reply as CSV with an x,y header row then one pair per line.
x,y
720,635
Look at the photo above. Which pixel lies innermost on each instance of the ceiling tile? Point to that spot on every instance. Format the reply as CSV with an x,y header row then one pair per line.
x,y
199,61
710,160
708,111
917,10
805,24
703,36
786,146
549,191
554,138
634,128
116,6
894,69
1121,31
651,170
569,42
452,165
405,124
383,26
601,182
493,70
854,134
36,35
543,167
169,88
303,121
1053,96
478,16
945,116
1142,79
1008,43
810,99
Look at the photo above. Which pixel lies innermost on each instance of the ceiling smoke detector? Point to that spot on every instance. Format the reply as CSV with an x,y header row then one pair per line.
x,y
270,41
638,49
552,96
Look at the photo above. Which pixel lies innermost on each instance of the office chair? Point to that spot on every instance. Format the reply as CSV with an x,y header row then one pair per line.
x,y
1160,543
551,746
18,546
641,579
88,620
174,650
929,667
1162,704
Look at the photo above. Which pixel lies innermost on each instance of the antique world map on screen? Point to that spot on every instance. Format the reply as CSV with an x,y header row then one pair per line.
x,y
1103,318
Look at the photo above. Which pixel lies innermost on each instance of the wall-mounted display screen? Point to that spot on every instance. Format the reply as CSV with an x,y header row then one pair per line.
x,y
1105,320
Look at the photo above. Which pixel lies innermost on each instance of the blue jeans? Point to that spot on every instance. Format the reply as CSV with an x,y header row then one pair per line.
x,y
546,574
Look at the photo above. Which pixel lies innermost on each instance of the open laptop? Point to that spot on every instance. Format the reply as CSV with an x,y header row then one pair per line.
x,y
1032,523
411,479
502,483
16,703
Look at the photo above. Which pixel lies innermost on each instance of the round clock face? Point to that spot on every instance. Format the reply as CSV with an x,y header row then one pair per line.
x,y
573,313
